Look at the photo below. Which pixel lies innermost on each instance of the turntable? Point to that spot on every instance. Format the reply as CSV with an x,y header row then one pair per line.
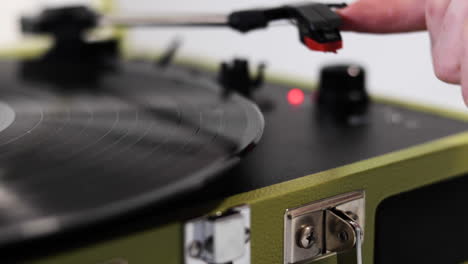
x,y
118,160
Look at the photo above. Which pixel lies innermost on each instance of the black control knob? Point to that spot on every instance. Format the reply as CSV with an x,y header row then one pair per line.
x,y
342,94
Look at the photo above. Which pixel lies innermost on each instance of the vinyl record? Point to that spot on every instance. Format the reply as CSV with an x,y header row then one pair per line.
x,y
138,137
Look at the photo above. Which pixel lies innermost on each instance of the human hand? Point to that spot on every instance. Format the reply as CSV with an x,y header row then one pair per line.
x,y
446,21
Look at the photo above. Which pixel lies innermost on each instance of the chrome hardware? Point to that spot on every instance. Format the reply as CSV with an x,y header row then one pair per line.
x,y
221,238
324,228
306,237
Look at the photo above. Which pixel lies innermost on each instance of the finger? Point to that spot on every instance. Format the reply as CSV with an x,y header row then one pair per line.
x,y
384,16
447,49
464,67
435,13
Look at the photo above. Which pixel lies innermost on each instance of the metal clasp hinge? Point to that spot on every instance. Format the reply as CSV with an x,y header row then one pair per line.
x,y
218,239
325,228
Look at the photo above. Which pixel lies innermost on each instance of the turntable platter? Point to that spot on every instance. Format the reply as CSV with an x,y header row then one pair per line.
x,y
138,138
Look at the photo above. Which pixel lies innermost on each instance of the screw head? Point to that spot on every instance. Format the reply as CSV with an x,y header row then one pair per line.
x,y
305,237
343,236
195,249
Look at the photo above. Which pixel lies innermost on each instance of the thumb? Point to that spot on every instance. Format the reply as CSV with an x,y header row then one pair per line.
x,y
384,16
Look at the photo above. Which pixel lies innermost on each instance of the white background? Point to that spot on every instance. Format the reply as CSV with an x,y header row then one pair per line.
x,y
398,65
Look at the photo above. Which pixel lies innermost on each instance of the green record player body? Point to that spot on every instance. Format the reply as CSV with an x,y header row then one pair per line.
x,y
404,171
436,161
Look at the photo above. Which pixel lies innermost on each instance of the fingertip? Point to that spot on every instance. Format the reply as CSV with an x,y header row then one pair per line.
x,y
383,16
354,17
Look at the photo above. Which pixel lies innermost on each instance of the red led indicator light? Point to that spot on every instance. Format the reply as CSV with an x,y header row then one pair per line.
x,y
295,96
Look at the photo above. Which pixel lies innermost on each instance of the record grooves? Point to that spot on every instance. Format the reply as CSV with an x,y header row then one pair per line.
x,y
69,157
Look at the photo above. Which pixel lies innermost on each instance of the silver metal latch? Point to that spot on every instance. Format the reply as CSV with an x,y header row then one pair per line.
x,y
220,238
325,228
